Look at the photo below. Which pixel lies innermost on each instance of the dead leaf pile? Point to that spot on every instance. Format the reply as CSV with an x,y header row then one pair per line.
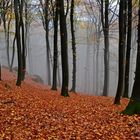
x,y
33,112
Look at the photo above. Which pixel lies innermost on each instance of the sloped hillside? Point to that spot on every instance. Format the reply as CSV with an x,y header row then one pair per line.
x,y
34,112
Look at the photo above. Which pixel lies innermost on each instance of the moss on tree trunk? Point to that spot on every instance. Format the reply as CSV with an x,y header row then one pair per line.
x,y
133,107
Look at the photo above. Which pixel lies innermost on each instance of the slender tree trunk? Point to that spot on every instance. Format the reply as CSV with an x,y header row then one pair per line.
x,y
98,36
87,65
97,63
105,24
121,51
22,42
47,42
129,30
13,54
13,45
27,36
73,89
55,57
4,5
7,32
64,50
59,74
18,40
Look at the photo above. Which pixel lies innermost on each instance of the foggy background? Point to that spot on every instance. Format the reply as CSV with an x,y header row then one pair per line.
x,y
90,75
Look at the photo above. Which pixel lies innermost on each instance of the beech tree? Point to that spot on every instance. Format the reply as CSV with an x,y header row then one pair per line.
x,y
22,40
73,89
18,41
55,47
64,49
105,25
129,30
19,34
122,38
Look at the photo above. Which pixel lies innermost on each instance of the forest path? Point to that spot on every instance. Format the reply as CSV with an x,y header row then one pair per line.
x,y
34,112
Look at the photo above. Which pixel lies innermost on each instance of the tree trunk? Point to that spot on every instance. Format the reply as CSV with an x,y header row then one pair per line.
x,y
7,41
73,89
18,40
105,25
27,36
13,44
134,104
5,5
97,60
129,29
13,53
121,52
22,42
97,39
47,42
64,50
54,84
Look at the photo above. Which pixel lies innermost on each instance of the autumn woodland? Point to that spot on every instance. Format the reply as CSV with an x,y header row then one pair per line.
x,y
69,69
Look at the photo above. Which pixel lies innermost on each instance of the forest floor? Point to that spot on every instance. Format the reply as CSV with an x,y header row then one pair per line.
x,y
34,112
